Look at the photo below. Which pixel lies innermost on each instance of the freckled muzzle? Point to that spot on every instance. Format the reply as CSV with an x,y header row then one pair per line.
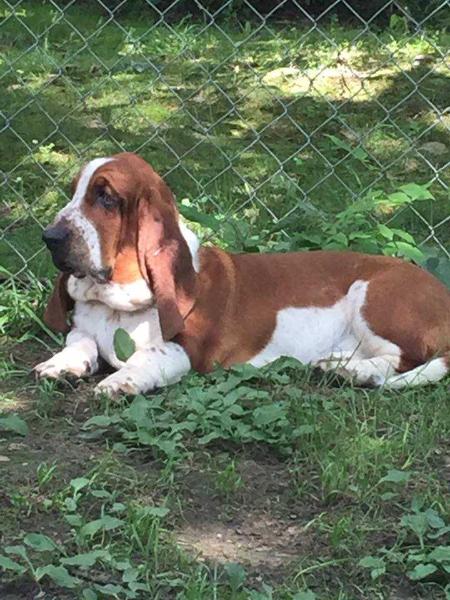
x,y
70,253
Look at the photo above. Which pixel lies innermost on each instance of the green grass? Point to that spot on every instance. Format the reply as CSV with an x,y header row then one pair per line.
x,y
280,483
274,483
238,119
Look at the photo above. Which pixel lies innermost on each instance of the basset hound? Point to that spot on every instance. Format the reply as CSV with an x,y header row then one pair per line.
x,y
127,261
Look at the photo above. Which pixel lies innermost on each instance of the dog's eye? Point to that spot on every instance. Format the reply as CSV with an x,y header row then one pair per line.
x,y
106,200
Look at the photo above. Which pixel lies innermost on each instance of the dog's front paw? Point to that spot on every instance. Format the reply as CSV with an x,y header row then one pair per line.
x,y
61,366
120,382
338,366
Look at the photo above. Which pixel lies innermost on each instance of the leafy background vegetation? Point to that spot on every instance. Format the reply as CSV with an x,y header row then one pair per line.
x,y
279,483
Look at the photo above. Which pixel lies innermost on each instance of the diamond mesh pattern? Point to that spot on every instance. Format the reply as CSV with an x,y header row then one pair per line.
x,y
241,116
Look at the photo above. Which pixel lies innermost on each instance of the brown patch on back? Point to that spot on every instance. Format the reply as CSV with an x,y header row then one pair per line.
x,y
239,296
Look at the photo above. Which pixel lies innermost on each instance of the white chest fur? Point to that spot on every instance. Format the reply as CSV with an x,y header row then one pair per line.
x,y
102,309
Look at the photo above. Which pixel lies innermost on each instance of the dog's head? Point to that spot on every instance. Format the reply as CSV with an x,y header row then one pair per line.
x,y
122,224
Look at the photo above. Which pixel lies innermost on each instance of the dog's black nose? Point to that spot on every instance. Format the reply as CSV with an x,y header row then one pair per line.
x,y
55,236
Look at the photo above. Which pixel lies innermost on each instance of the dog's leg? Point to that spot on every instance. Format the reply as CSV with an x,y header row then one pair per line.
x,y
78,358
365,371
147,369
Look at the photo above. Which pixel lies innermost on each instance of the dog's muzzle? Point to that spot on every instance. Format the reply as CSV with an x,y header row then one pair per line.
x,y
57,239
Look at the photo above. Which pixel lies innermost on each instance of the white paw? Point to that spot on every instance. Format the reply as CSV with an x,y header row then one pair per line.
x,y
328,364
120,382
60,366
337,366
362,371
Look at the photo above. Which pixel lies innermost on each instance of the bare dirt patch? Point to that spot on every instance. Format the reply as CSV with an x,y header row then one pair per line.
x,y
264,526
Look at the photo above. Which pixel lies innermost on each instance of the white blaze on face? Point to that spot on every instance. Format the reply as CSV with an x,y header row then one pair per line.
x,y
73,214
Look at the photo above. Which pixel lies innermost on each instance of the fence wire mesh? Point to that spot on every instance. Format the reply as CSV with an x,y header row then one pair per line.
x,y
270,122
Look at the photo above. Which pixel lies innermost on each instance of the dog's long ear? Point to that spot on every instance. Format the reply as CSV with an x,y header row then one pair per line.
x,y
58,306
164,259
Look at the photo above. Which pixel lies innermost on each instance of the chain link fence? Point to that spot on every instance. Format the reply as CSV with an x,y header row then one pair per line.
x,y
270,121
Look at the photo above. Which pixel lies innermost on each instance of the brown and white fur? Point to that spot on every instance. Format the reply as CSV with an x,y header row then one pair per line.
x,y
128,262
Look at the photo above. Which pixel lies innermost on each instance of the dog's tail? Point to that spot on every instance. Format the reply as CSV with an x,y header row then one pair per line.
x,y
430,372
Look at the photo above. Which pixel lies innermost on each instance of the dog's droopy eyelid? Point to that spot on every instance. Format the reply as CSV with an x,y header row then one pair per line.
x,y
106,200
